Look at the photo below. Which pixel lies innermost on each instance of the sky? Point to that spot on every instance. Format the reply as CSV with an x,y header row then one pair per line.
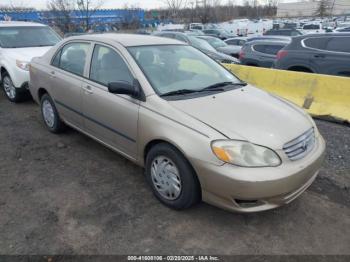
x,y
146,4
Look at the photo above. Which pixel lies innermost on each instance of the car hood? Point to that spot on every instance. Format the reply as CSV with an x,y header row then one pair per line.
x,y
25,54
248,114
229,49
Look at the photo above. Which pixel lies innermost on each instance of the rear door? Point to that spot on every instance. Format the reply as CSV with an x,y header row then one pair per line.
x,y
338,56
66,74
331,55
112,118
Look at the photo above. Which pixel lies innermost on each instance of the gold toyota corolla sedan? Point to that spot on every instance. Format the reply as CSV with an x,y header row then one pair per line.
x,y
199,131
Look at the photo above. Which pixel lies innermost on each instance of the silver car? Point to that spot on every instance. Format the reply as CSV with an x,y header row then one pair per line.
x,y
199,132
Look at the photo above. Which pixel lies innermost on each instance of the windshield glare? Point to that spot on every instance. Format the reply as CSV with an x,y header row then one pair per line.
x,y
175,67
17,37
201,44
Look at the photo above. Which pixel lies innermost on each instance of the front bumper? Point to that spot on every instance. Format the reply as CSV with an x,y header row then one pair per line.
x,y
258,189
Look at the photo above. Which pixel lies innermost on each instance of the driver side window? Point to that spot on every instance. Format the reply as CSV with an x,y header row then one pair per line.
x,y
107,66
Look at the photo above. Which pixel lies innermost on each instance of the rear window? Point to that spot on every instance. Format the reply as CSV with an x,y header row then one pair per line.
x,y
268,49
259,48
339,44
344,30
311,27
282,32
232,42
316,42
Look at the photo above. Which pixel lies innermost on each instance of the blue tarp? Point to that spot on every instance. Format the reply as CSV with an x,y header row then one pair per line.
x,y
98,16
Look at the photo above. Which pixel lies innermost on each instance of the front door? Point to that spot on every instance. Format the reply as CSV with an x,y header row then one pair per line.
x,y
110,117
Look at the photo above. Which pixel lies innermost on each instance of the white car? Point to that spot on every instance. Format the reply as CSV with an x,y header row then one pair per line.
x,y
313,28
19,43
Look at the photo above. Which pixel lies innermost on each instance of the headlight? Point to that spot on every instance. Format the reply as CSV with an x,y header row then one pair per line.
x,y
245,154
23,65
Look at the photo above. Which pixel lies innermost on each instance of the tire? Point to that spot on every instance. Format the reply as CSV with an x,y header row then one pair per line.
x,y
50,115
186,178
13,94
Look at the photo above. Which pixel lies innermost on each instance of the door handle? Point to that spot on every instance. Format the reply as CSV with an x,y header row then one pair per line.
x,y
88,89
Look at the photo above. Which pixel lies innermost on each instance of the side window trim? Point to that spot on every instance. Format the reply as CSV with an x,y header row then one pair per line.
x,y
57,54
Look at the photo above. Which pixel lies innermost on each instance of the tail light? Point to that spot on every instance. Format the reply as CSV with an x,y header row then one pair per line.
x,y
281,54
241,55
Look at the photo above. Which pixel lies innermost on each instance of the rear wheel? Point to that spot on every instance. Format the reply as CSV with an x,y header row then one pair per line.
x,y
13,94
171,177
50,115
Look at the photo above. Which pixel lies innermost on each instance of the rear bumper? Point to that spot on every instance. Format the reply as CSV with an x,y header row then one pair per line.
x,y
258,189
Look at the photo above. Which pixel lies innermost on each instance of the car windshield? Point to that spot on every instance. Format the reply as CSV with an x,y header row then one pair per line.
x,y
201,44
215,42
18,37
171,68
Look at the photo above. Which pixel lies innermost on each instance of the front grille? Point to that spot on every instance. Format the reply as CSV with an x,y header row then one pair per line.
x,y
300,146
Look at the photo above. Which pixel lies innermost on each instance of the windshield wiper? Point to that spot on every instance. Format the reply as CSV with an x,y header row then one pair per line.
x,y
179,92
215,87
221,85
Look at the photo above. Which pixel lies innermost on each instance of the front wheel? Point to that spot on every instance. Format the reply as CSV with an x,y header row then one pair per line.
x,y
171,177
13,94
50,115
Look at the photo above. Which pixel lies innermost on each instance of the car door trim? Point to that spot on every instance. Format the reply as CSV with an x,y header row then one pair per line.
x,y
96,121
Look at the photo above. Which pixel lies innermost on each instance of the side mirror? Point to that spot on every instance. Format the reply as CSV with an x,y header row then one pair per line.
x,y
124,88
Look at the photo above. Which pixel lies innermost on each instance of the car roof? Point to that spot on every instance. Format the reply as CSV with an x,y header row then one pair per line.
x,y
238,38
268,41
169,31
18,24
207,37
321,35
129,39
284,29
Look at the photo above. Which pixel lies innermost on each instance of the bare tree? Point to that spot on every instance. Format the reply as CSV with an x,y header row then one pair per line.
x,y
175,6
209,11
87,8
323,9
61,13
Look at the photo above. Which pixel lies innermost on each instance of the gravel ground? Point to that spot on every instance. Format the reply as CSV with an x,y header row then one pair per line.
x,y
67,194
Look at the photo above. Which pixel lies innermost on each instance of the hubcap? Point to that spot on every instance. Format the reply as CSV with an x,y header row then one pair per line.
x,y
48,113
166,178
9,88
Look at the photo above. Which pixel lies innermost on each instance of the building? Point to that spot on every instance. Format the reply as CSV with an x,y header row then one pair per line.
x,y
310,8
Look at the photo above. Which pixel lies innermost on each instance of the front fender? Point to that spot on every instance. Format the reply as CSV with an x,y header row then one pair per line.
x,y
18,76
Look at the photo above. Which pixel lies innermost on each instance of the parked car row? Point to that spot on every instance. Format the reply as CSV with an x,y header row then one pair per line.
x,y
200,44
327,53
199,132
318,53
